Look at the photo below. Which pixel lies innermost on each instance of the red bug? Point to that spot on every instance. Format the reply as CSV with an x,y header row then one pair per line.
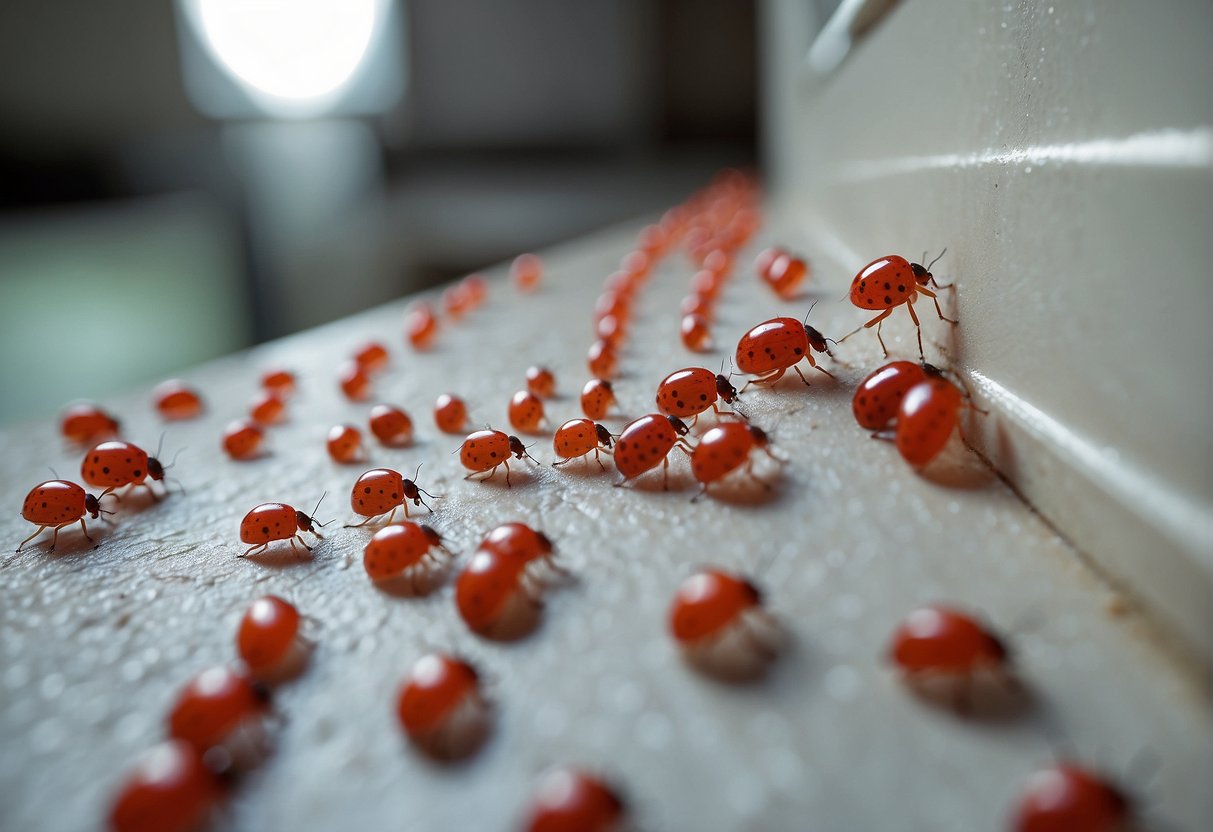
x,y
878,397
398,550
944,642
421,326
215,707
724,449
526,271
381,491
87,424
889,282
717,618
175,400
596,398
541,382
763,262
769,349
277,521
647,442
455,301
279,382
495,595
928,414
372,356
602,359
267,409
450,414
170,789
785,275
485,450
243,439
610,329
440,706
520,542
696,336
344,444
269,639
1069,798
477,289
567,800
354,382
115,464
577,438
391,425
526,412
694,304
58,503
691,391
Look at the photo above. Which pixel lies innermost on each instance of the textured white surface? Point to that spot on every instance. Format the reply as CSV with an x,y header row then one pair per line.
x,y
95,642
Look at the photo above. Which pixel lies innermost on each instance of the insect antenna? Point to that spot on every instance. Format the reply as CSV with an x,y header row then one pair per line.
x,y
317,508
810,312
936,260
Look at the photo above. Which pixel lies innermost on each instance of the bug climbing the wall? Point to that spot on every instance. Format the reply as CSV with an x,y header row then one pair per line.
x,y
726,448
889,282
577,438
694,390
269,522
646,443
116,464
402,550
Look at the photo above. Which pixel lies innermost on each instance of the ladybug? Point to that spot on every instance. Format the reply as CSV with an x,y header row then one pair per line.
x,y
391,425
724,449
785,275
267,409
526,412
646,442
269,639
58,503
170,789
214,706
944,642
692,391
928,414
440,706
769,349
520,542
492,597
421,326
541,382
765,260
476,289
889,282
354,382
696,336
878,397
242,439
602,359
277,521
450,414
381,491
485,450
1069,798
455,301
526,272
694,304
279,382
717,619
596,398
577,438
115,464
568,800
610,329
372,357
87,424
398,550
344,444
176,401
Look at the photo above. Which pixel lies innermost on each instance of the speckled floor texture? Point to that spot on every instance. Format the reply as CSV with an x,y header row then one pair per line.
x,y
96,642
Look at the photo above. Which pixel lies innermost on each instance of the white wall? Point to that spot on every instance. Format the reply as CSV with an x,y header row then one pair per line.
x,y
1062,153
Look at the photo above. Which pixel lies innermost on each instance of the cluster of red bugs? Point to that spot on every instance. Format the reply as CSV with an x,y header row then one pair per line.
x,y
718,619
216,728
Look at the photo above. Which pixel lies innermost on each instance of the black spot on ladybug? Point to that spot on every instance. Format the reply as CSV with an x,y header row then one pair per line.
x,y
265,529
888,299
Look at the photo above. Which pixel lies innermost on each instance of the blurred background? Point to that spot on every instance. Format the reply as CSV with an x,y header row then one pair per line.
x,y
182,179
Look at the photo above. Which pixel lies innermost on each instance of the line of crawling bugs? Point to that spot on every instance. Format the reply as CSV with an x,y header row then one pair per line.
x,y
217,728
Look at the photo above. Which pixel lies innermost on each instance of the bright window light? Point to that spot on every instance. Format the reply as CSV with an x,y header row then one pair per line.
x,y
292,57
